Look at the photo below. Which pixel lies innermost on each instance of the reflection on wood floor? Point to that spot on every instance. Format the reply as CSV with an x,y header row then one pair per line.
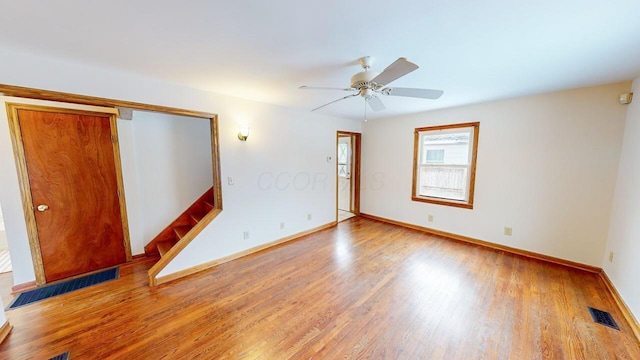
x,y
344,215
5,261
361,290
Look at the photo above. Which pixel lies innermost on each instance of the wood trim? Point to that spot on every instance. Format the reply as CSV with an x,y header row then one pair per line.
x,y
168,232
336,177
453,203
140,258
356,140
470,240
23,287
472,168
4,331
215,155
448,126
179,246
626,312
25,192
31,93
474,161
253,250
416,150
40,94
115,141
356,148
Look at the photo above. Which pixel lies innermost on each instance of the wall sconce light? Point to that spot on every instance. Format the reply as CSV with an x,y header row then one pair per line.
x,y
243,133
626,98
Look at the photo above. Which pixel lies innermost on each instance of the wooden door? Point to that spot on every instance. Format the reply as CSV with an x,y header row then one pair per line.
x,y
72,177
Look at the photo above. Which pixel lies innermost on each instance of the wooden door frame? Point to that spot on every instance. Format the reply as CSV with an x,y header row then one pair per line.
x,y
356,140
25,186
69,98
115,104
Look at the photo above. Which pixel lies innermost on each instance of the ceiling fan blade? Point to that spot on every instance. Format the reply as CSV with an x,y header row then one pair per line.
x,y
304,87
397,69
416,93
375,103
334,101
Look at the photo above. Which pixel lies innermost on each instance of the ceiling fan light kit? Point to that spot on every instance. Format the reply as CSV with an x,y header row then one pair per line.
x,y
368,84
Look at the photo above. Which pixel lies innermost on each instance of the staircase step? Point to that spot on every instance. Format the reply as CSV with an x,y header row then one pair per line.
x,y
181,231
164,246
196,217
208,206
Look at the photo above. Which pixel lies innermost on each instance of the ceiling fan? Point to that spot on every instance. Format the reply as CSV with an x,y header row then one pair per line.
x,y
370,84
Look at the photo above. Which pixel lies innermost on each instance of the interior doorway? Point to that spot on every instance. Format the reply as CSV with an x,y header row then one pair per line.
x,y
347,175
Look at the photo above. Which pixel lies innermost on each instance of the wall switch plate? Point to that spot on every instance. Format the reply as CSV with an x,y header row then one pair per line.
x,y
309,216
245,235
281,225
610,256
508,231
430,218
230,180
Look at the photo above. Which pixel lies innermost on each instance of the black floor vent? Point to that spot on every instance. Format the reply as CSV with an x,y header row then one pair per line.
x,y
63,356
603,317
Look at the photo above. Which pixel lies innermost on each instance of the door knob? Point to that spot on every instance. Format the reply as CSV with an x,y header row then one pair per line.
x,y
43,208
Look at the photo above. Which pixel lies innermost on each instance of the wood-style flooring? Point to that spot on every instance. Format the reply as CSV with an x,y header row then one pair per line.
x,y
361,290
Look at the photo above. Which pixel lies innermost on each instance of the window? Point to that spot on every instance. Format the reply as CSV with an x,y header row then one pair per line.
x,y
435,156
343,151
444,164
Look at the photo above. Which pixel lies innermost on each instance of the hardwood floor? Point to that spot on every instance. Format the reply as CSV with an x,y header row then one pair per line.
x,y
361,290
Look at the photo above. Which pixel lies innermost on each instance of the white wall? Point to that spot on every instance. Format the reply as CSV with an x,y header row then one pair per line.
x,y
174,166
166,166
546,167
624,232
14,222
281,174
3,235
289,146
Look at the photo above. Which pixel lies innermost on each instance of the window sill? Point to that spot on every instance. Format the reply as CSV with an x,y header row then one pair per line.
x,y
455,203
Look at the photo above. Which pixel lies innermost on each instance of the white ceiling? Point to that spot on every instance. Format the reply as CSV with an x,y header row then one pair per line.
x,y
263,50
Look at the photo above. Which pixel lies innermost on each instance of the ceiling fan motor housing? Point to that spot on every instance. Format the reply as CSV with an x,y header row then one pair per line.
x,y
362,82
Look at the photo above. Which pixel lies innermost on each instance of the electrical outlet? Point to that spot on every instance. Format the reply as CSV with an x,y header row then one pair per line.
x,y
507,231
281,225
611,256
245,235
430,218
230,180
309,216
